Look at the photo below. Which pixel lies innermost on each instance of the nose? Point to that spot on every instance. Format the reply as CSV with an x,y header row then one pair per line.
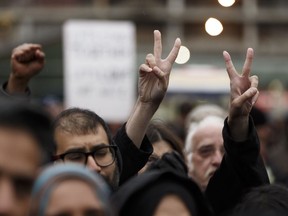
x,y
217,158
7,196
92,165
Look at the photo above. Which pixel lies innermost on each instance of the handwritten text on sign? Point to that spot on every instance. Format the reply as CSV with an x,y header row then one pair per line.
x,y
100,67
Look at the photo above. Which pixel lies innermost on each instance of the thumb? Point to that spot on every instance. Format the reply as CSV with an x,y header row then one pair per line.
x,y
250,94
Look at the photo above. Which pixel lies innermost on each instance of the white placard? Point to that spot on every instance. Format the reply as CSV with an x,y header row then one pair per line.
x,y
99,61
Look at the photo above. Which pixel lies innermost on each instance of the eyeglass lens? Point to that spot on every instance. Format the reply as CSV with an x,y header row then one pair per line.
x,y
103,156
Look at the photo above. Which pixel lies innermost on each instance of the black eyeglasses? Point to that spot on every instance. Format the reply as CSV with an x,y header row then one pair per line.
x,y
104,156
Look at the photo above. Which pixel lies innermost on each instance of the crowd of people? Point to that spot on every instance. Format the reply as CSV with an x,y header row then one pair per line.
x,y
73,165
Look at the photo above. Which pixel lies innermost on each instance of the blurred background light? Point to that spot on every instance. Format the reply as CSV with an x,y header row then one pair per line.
x,y
213,27
183,55
226,3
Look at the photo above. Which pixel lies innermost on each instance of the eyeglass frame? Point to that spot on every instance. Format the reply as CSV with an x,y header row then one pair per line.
x,y
90,153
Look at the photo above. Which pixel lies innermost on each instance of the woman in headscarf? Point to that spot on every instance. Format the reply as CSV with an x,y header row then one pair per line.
x,y
70,189
161,191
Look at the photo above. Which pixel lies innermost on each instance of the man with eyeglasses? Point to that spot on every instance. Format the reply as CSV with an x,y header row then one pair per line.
x,y
83,137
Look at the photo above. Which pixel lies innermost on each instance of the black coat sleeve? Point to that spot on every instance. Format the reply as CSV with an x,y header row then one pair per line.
x,y
241,169
133,159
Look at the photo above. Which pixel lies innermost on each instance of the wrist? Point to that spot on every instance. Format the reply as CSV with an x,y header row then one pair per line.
x,y
238,127
147,107
235,121
17,85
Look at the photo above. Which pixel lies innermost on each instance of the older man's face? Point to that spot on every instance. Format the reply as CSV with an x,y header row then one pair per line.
x,y
207,153
19,164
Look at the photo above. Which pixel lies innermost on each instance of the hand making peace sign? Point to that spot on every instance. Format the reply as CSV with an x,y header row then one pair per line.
x,y
244,92
154,74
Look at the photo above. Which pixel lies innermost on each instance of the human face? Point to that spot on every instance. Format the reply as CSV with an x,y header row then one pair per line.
x,y
171,205
19,163
65,200
207,153
67,142
159,149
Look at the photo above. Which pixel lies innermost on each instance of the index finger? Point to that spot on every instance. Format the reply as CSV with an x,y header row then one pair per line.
x,y
29,46
248,62
229,65
157,45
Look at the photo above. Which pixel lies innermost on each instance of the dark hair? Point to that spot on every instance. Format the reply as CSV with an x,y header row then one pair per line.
x,y
79,121
268,200
158,131
30,118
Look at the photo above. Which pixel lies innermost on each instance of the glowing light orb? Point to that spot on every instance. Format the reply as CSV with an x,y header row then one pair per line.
x,y
183,55
226,3
213,27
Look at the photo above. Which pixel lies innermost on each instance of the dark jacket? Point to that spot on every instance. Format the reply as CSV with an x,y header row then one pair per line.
x,y
132,158
241,169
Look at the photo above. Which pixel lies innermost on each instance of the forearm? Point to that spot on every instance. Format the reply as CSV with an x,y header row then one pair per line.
x,y
238,128
139,120
16,85
244,157
241,169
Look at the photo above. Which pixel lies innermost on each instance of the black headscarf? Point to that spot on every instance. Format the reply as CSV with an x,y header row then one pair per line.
x,y
141,195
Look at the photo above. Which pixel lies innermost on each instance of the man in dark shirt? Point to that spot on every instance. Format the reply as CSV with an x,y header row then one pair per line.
x,y
82,136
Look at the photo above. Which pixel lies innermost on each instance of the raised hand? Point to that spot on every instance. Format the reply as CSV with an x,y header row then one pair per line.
x,y
243,95
154,74
27,60
152,87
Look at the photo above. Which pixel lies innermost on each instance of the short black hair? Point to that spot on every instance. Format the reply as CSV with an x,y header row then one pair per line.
x,y
31,118
78,121
268,200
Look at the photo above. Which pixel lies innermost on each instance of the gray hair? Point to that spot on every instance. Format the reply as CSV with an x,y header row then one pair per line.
x,y
201,111
194,127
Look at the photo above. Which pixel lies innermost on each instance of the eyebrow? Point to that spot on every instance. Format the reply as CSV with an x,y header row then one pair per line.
x,y
72,150
207,146
86,211
17,175
83,149
98,146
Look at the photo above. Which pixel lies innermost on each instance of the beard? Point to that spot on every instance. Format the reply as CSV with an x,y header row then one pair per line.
x,y
113,181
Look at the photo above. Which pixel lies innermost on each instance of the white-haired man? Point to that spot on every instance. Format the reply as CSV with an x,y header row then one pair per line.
x,y
204,149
